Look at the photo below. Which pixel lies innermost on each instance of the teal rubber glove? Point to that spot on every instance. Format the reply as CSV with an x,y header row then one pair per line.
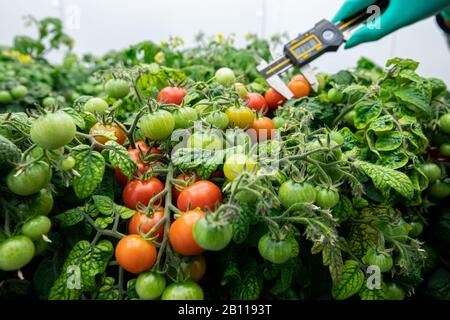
x,y
399,14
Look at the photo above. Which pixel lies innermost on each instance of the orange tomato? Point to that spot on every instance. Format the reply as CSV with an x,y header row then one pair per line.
x,y
113,128
135,254
263,127
299,86
140,221
180,233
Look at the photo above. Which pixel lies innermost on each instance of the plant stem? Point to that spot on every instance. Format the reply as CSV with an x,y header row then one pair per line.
x,y
168,200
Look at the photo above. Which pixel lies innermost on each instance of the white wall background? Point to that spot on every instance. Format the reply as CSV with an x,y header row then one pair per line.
x,y
113,24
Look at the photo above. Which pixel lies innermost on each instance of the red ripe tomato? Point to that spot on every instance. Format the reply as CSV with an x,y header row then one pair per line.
x,y
181,237
141,191
257,102
135,254
178,187
203,194
143,223
171,95
274,99
299,86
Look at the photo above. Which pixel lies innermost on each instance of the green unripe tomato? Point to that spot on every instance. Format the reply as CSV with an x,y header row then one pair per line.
x,y
225,76
19,92
445,149
5,97
49,102
96,105
275,251
42,203
218,119
393,292
36,227
53,130
185,117
68,163
16,252
432,171
117,88
150,285
380,259
335,96
349,118
444,123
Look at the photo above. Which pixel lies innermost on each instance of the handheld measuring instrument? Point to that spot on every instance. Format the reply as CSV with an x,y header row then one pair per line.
x,y
299,52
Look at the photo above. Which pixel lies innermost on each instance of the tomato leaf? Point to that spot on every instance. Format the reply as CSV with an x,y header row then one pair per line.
x,y
366,112
104,204
382,124
350,283
125,213
372,294
80,270
131,290
250,286
389,141
332,257
70,217
107,290
393,159
90,166
385,178
415,97
120,158
343,210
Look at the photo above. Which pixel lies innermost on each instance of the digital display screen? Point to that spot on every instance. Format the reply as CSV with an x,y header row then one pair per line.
x,y
311,43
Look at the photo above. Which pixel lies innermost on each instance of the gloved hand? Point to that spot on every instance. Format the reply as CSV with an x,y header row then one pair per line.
x,y
400,13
